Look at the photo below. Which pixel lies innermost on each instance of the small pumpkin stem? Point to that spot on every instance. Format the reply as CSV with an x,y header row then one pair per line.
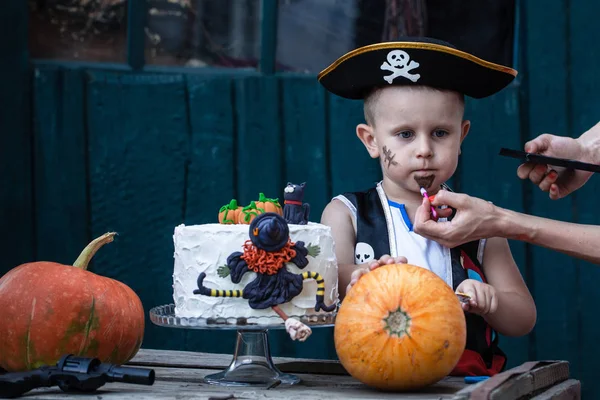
x,y
86,255
397,323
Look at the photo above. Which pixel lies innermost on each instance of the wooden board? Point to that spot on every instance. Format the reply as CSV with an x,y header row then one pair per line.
x,y
495,123
583,109
16,196
258,136
304,114
210,176
305,140
138,135
211,172
352,169
183,359
60,178
180,375
555,276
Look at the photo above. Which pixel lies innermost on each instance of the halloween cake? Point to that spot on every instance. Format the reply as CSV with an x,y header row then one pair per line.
x,y
263,259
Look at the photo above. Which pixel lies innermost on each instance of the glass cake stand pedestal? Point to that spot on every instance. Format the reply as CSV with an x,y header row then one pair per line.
x,y
252,364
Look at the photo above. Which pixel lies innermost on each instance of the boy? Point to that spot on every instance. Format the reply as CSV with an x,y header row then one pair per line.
x,y
413,95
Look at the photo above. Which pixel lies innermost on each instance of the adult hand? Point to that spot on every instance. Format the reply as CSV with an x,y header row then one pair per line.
x,y
559,181
474,219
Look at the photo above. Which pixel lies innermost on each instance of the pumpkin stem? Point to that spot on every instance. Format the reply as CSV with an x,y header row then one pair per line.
x,y
86,255
397,323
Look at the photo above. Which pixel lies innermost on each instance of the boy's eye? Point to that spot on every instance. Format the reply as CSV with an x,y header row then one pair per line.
x,y
440,133
405,134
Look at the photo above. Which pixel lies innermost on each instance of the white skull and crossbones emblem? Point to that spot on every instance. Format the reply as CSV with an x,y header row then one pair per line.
x,y
399,63
363,253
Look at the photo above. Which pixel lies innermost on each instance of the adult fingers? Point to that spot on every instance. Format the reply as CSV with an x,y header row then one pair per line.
x,y
555,192
444,212
538,173
454,200
524,170
540,144
423,212
548,180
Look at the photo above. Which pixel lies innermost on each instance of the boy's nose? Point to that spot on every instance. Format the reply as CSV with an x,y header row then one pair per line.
x,y
424,149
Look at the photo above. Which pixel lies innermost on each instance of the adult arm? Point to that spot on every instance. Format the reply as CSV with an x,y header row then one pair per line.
x,y
477,219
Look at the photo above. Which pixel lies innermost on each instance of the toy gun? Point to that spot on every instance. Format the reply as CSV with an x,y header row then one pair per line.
x,y
72,374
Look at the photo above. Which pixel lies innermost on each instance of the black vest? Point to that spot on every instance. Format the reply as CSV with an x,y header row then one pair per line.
x,y
482,355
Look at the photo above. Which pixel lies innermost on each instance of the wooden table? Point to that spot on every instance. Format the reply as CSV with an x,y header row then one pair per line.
x,y
179,376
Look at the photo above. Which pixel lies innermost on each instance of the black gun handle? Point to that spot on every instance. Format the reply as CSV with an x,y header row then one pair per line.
x,y
14,384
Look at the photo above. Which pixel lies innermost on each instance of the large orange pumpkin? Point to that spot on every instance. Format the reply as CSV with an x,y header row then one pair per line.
x,y
49,309
400,327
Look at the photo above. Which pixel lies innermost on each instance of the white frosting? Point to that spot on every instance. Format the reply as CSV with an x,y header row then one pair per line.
x,y
204,248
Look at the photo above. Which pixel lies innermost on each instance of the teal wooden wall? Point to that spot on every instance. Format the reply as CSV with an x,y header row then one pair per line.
x,y
85,150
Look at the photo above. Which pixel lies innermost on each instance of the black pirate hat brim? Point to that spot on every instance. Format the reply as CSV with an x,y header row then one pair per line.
x,y
356,73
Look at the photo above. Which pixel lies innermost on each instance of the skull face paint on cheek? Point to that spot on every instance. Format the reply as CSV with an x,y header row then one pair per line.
x,y
425,181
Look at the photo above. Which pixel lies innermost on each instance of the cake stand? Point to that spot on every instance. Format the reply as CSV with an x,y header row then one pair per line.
x,y
252,364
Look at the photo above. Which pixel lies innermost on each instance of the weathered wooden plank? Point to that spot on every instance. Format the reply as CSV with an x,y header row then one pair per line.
x,y
210,174
306,160
584,106
180,359
60,164
495,123
567,390
211,169
305,134
518,383
138,137
555,276
258,153
16,198
532,382
187,383
352,169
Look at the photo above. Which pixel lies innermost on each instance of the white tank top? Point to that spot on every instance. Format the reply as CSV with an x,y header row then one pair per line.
x,y
417,249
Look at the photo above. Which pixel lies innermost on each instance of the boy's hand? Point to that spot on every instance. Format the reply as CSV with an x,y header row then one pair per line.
x,y
385,259
484,299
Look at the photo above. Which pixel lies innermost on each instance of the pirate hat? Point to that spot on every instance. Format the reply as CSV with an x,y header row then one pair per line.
x,y
414,61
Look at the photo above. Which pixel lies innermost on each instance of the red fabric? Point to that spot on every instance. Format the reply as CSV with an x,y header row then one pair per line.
x,y
471,364
469,264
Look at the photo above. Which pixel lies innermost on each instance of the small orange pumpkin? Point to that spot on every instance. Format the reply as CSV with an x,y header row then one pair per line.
x,y
248,213
229,213
268,205
401,327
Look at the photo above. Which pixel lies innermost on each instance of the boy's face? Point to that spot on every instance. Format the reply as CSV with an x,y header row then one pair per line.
x,y
416,133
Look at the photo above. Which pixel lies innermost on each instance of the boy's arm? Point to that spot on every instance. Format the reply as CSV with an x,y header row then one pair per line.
x,y
516,312
337,216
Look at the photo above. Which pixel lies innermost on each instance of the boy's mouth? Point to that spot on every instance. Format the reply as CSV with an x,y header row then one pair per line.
x,y
425,181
